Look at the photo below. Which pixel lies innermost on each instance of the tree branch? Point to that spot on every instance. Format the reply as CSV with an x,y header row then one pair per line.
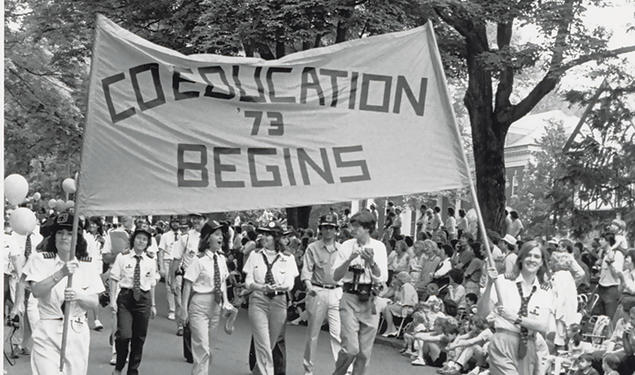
x,y
506,75
551,79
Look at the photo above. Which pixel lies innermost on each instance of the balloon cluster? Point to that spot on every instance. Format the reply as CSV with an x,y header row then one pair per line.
x,y
22,219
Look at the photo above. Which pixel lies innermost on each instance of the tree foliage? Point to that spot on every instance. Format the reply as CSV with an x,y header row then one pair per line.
x,y
49,43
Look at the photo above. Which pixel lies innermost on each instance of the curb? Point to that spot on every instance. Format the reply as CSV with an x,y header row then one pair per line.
x,y
389,341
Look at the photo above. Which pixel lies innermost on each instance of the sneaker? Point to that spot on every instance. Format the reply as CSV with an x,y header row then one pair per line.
x,y
113,359
98,325
179,332
171,315
418,362
390,334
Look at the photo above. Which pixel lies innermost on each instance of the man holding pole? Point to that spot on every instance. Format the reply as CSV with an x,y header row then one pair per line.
x,y
362,265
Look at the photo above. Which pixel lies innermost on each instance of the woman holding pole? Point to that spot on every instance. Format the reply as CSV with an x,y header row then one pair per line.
x,y
523,310
47,277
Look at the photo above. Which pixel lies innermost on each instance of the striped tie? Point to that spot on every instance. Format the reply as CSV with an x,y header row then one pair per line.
x,y
28,247
524,332
218,295
136,281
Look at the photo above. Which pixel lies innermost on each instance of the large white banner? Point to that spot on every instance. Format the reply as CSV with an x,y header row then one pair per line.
x,y
168,133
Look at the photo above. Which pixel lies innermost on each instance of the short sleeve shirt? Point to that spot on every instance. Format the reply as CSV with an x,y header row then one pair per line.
x,y
168,240
43,265
201,272
123,270
186,248
284,270
380,257
540,304
319,261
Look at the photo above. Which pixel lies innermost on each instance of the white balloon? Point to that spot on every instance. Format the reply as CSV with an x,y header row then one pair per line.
x,y
69,186
15,188
52,203
23,220
37,196
69,204
60,205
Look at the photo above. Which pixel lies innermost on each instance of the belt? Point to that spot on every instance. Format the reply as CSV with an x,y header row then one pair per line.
x,y
513,333
274,294
325,286
130,289
359,289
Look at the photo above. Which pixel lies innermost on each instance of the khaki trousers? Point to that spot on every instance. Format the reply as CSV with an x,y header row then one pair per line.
x,y
325,304
204,315
47,343
359,327
503,355
267,317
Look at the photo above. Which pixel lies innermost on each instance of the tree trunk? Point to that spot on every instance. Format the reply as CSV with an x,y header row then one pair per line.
x,y
298,217
488,139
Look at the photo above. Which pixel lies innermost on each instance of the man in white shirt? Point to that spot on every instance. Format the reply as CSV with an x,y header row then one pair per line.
x,y
117,240
361,264
166,245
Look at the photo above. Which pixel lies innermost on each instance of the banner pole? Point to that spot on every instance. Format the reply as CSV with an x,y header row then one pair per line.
x,y
435,52
76,207
69,284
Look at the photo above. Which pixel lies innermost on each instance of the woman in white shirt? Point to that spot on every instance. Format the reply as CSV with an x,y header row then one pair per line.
x,y
270,274
47,277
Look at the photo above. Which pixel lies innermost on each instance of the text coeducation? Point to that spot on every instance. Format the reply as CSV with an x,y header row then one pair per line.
x,y
302,85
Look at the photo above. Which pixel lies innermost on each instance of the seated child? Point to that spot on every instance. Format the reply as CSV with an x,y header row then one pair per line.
x,y
584,362
419,324
575,345
468,346
433,344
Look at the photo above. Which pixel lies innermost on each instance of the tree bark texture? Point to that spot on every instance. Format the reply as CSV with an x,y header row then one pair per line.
x,y
298,217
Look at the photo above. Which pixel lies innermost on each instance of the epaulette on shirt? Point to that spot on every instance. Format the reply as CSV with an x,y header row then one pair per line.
x,y
126,252
200,255
85,259
510,277
545,285
48,255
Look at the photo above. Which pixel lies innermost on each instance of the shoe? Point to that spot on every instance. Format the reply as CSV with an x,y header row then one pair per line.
x,y
113,360
189,360
179,332
230,320
391,334
171,315
408,353
418,362
98,325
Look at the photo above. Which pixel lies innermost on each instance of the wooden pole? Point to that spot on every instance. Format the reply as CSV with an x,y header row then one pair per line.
x,y
69,284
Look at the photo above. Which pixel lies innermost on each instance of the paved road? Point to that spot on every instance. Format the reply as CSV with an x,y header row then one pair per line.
x,y
162,351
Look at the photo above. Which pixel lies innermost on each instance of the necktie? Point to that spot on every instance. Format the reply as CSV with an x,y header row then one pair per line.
x,y
524,332
218,295
269,275
27,247
136,281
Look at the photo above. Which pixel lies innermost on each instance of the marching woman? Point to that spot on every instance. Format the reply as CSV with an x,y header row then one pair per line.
x,y
270,275
525,310
136,274
47,277
205,294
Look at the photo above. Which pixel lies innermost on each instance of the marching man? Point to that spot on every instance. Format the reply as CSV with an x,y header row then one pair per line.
x,y
362,265
323,292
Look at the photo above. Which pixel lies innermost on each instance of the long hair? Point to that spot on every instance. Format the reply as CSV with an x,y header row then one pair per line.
x,y
81,248
543,271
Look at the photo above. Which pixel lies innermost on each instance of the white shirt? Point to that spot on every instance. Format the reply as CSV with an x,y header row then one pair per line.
x,y
93,246
168,240
284,270
43,265
380,257
186,248
123,270
201,272
122,241
606,276
16,244
540,305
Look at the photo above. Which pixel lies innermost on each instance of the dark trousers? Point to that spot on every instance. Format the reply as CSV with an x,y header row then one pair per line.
x,y
187,338
132,326
609,300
